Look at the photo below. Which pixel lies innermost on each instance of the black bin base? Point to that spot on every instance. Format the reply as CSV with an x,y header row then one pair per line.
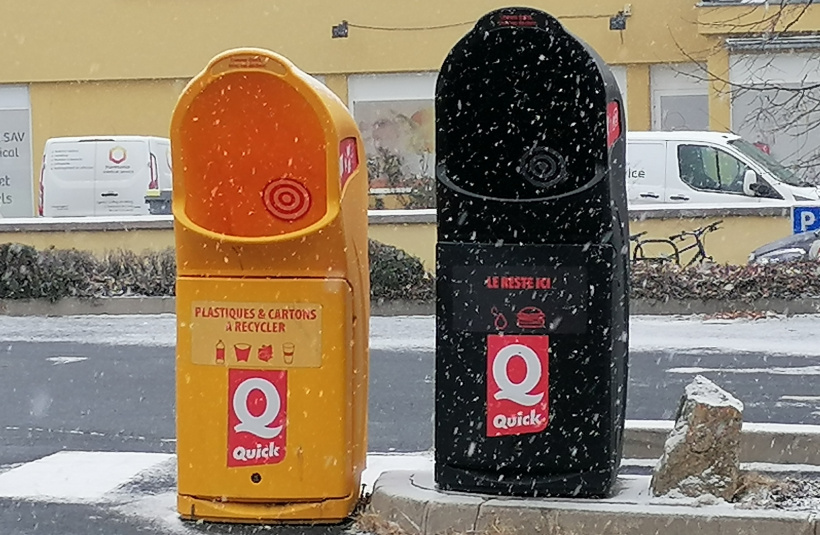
x,y
592,484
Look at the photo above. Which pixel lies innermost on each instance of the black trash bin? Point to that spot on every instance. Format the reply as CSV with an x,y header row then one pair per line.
x,y
532,304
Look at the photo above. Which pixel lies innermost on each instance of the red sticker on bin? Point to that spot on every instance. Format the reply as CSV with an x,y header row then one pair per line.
x,y
517,384
257,417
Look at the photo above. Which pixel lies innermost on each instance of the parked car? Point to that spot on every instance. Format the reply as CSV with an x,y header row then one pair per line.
x,y
95,176
707,168
803,246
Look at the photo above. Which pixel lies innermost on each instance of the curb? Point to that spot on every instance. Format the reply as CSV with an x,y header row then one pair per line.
x,y
410,500
73,306
759,443
684,307
117,306
166,305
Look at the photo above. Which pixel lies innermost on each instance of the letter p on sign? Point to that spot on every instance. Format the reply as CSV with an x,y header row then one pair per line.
x,y
805,218
517,384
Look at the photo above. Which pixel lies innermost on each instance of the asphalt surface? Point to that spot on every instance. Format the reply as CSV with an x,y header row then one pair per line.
x,y
92,397
38,518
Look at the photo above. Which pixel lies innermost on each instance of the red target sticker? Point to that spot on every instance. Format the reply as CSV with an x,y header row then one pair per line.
x,y
286,199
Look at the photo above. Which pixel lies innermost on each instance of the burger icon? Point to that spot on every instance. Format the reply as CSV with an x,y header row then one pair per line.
x,y
530,318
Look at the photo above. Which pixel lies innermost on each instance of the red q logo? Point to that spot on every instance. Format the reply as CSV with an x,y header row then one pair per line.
x,y
517,384
257,417
257,425
518,392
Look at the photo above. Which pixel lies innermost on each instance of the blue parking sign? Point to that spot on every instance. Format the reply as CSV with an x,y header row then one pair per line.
x,y
805,218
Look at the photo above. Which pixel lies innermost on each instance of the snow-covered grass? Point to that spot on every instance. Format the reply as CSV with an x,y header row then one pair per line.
x,y
798,335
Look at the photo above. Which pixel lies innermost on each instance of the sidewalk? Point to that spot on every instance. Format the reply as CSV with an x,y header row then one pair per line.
x,y
166,305
409,499
407,496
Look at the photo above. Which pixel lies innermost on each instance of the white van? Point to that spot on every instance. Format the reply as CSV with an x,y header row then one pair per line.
x,y
97,176
707,168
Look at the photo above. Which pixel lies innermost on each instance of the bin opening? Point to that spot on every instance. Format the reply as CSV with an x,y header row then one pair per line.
x,y
254,153
510,96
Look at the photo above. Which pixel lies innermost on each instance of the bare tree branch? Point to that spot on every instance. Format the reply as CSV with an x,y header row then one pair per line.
x,y
785,114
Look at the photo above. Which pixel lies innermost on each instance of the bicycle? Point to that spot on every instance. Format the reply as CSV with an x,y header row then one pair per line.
x,y
700,255
639,253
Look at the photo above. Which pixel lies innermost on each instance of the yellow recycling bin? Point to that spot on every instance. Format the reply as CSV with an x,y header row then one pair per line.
x,y
270,218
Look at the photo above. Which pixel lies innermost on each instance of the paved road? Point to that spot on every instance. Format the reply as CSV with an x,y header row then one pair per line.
x,y
101,397
122,398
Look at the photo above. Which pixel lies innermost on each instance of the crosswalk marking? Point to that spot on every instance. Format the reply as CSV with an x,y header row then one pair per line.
x,y
75,476
85,477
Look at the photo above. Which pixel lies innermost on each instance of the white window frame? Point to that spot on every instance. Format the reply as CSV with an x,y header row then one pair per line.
x,y
671,80
658,94
391,86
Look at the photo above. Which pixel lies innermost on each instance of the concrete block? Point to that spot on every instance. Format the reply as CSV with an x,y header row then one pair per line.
x,y
396,500
447,512
644,443
508,517
410,500
759,443
443,518
785,444
583,522
776,525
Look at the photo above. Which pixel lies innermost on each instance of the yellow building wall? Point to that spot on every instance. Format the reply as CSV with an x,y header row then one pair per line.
x,y
730,244
142,51
771,17
738,236
55,40
416,239
136,107
104,68
639,98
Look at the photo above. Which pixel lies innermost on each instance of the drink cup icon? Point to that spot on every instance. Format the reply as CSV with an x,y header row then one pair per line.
x,y
243,352
265,353
287,351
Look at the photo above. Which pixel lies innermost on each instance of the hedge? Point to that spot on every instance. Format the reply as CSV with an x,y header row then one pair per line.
x,y
53,274
26,273
394,274
797,280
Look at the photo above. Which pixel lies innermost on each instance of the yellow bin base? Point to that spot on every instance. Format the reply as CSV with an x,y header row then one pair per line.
x,y
331,511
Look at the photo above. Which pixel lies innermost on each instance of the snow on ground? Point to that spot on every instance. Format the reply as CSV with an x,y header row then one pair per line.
x,y
144,330
75,476
139,485
773,370
798,335
408,332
